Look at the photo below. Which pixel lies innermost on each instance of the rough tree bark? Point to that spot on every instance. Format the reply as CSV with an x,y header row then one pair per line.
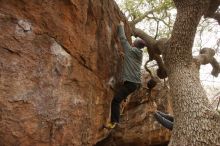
x,y
196,123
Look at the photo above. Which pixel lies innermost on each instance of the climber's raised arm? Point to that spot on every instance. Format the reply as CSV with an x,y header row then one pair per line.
x,y
121,34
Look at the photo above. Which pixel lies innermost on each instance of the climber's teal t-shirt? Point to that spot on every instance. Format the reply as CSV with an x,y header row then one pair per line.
x,y
132,60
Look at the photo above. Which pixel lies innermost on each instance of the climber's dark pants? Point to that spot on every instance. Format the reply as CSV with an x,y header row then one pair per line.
x,y
121,94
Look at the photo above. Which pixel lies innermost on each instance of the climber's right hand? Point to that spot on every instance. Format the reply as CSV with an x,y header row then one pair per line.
x,y
121,23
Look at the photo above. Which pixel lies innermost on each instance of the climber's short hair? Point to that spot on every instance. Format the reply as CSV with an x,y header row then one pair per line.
x,y
139,43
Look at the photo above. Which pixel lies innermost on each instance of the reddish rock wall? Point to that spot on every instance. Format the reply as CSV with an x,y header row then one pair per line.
x,y
56,59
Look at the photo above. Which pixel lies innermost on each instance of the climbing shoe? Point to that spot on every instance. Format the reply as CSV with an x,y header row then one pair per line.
x,y
110,125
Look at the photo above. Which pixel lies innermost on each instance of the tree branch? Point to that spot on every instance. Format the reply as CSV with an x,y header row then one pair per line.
x,y
216,16
159,19
139,19
211,12
213,6
206,56
150,41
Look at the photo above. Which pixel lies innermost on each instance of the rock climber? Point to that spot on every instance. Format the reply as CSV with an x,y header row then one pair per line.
x,y
131,73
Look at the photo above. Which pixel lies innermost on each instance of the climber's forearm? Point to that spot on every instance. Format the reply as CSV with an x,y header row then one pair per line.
x,y
123,39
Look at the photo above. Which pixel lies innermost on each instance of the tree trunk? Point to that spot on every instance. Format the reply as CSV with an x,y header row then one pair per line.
x,y
196,123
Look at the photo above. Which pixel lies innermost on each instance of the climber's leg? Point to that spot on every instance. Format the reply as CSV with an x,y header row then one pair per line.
x,y
124,91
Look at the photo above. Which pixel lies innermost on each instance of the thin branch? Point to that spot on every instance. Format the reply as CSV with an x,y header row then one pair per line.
x,y
147,69
139,19
159,19
157,30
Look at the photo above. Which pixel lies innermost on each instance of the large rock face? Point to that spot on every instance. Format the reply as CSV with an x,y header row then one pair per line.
x,y
58,59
